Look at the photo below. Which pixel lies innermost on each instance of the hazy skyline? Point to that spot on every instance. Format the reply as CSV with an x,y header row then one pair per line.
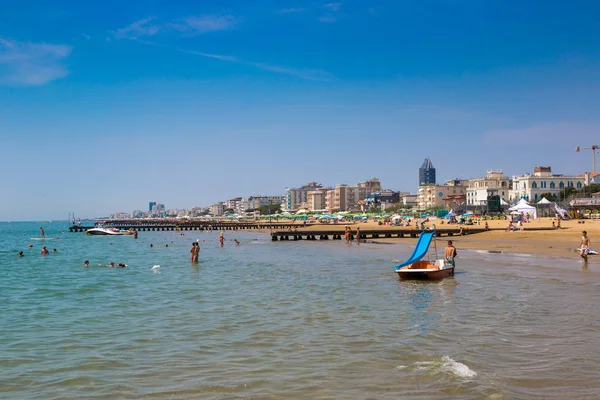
x,y
105,107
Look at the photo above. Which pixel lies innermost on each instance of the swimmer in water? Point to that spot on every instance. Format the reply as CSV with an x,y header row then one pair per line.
x,y
54,250
21,254
237,242
86,264
112,264
44,251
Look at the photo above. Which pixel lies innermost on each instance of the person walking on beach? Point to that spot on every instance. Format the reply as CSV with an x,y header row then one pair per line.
x,y
42,233
450,253
584,247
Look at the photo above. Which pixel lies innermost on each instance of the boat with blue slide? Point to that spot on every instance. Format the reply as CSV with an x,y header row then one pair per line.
x,y
418,268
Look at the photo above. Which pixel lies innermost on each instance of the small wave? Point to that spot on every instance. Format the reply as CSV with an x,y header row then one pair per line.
x,y
456,368
443,364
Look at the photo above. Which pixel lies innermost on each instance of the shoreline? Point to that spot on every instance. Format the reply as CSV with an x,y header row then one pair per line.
x,y
562,241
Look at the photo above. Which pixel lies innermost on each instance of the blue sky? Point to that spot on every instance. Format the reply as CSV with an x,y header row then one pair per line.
x,y
106,106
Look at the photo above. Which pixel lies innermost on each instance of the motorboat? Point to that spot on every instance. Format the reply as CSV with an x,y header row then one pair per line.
x,y
417,268
107,231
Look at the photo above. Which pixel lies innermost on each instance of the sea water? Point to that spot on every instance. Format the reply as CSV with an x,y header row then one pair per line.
x,y
286,320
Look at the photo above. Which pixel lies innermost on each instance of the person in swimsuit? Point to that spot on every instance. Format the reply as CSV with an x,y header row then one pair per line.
x,y
194,252
42,233
221,239
584,246
21,254
86,264
450,253
44,251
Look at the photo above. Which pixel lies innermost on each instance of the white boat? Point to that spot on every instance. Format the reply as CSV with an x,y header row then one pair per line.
x,y
105,231
416,268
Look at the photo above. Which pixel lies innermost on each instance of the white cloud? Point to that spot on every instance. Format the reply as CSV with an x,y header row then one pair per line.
x,y
31,64
333,6
193,25
332,14
143,27
290,10
307,74
204,23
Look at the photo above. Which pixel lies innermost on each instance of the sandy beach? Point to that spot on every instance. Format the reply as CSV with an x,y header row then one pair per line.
x,y
558,242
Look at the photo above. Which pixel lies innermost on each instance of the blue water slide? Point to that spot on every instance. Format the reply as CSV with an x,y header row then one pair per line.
x,y
420,249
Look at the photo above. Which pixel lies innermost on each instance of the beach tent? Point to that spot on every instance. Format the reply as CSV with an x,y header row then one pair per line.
x,y
544,201
503,202
524,207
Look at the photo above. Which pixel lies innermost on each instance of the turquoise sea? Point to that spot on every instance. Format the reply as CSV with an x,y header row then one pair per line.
x,y
287,320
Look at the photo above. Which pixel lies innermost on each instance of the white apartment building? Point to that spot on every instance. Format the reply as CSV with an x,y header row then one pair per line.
x,y
217,209
317,200
531,187
233,204
494,183
295,197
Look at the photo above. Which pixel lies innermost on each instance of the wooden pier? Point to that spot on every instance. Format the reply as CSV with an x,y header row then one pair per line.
x,y
190,226
337,234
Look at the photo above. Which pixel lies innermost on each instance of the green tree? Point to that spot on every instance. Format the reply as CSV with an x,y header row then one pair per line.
x,y
548,196
270,209
566,193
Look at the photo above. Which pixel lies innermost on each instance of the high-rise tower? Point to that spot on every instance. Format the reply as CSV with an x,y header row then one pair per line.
x,y
427,173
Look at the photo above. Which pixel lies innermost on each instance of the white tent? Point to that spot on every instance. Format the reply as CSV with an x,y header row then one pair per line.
x,y
544,201
503,202
524,207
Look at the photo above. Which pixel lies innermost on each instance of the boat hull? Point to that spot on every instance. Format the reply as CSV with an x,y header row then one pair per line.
x,y
103,231
427,275
425,271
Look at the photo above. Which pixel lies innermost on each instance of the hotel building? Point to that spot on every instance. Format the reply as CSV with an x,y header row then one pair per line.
x,y
531,187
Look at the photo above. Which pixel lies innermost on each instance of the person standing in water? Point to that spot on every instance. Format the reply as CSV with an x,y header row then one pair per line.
x,y
450,253
44,251
194,252
221,239
584,246
42,233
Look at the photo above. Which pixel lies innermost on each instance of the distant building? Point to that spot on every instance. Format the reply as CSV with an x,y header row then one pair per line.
x,y
531,187
217,209
317,200
150,205
295,197
494,184
427,173
590,177
371,186
450,195
234,204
